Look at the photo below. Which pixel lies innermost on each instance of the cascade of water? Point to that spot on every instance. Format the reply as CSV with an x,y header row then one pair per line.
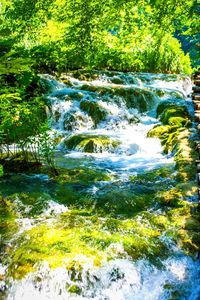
x,y
103,106
95,234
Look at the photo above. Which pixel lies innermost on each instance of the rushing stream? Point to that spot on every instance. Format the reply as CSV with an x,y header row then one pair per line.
x,y
98,231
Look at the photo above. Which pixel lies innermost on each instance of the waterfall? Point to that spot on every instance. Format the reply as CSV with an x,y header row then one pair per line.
x,y
100,230
108,114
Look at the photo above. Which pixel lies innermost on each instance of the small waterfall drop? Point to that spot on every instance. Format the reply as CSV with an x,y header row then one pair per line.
x,y
97,113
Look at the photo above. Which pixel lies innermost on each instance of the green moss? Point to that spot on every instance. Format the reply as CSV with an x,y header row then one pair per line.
x,y
91,143
76,239
135,97
174,133
74,289
83,176
54,244
1,170
57,139
122,203
174,111
94,110
8,215
160,131
91,88
168,135
170,197
178,122
162,106
155,175
79,237
86,74
159,92
117,80
170,104
141,99
30,204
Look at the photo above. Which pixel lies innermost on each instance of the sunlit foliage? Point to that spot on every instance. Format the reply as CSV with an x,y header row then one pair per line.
x,y
122,35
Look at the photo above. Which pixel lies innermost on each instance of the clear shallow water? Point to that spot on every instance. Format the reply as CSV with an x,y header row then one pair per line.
x,y
96,192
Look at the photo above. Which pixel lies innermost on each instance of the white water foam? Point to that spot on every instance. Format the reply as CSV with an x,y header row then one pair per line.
x,y
119,279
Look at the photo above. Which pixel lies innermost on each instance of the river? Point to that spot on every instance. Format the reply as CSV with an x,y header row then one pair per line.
x,y
98,231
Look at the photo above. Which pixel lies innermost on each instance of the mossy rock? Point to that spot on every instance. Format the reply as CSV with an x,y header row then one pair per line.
x,y
70,122
71,94
8,215
57,138
141,99
94,110
57,115
78,237
85,75
97,89
192,224
73,121
171,197
74,289
83,176
65,79
174,111
177,95
89,88
176,120
117,80
123,202
168,136
170,103
154,176
159,92
159,131
179,122
30,204
162,106
91,143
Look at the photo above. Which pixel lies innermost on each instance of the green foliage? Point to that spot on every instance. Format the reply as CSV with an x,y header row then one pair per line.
x,y
165,55
1,170
23,129
128,36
